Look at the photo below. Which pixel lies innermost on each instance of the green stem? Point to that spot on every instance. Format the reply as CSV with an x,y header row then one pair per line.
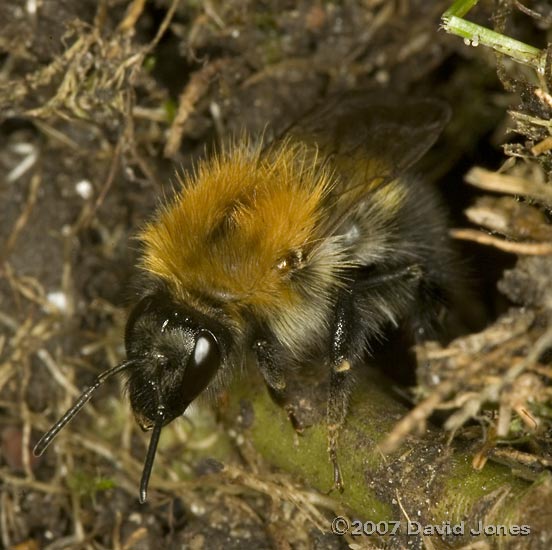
x,y
427,480
476,34
460,8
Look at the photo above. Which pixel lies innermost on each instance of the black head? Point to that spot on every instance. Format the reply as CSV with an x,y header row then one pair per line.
x,y
177,351
173,353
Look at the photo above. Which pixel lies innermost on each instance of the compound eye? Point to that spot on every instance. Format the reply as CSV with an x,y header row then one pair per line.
x,y
202,364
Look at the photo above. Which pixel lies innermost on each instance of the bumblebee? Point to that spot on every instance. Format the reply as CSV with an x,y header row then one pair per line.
x,y
305,248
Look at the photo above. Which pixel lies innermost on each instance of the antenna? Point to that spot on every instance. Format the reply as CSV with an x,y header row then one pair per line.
x,y
150,457
85,396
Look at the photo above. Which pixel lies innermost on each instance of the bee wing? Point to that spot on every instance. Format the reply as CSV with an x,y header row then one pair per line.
x,y
370,140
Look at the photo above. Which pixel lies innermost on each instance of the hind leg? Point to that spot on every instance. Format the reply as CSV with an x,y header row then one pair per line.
x,y
348,343
341,379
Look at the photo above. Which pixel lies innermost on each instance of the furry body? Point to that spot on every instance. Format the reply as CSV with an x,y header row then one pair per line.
x,y
259,238
303,249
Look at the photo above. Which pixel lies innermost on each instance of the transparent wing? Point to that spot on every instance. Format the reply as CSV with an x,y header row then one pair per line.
x,y
369,140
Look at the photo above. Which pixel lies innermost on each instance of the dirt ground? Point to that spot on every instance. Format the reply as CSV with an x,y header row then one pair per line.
x,y
100,102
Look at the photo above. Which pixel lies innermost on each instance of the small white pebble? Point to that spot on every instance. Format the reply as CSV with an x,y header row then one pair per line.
x,y
58,300
197,509
135,517
31,7
84,189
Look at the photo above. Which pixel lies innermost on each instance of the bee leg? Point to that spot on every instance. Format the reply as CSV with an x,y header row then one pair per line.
x,y
273,375
340,379
272,371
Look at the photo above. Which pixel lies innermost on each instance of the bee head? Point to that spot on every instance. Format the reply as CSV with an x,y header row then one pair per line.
x,y
176,353
173,352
